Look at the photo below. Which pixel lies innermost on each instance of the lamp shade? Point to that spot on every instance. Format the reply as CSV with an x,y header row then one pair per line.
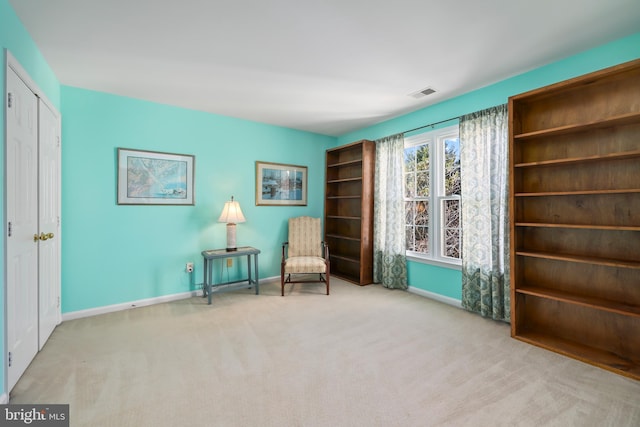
x,y
231,214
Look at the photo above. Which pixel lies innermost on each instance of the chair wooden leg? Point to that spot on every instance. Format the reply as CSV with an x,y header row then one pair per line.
x,y
327,280
282,283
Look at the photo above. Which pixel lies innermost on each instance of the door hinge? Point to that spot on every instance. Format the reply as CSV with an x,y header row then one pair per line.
x,y
58,222
9,99
9,359
58,302
58,141
9,229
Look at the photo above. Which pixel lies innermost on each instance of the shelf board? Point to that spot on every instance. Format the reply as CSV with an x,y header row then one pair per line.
x,y
578,192
581,259
579,226
341,237
334,181
594,356
567,297
621,120
355,218
576,160
347,163
345,258
344,197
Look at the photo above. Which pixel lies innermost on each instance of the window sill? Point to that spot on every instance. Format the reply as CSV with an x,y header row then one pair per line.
x,y
439,263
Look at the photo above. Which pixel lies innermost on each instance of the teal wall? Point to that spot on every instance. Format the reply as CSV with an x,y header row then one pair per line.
x,y
115,254
432,278
14,37
436,279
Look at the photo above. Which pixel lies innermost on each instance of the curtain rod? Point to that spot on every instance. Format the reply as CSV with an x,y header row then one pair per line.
x,y
432,124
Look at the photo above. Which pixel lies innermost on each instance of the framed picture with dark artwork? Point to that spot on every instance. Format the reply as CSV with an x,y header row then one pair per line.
x,y
155,178
281,185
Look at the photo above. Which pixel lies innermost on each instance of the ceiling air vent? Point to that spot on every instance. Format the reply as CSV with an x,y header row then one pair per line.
x,y
423,92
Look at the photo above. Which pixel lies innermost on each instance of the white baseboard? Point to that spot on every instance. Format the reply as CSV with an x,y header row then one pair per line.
x,y
447,300
141,303
3,399
127,305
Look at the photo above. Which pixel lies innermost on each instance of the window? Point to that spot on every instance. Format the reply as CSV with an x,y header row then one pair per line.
x,y
432,195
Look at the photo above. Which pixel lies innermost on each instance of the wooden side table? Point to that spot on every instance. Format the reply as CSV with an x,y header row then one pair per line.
x,y
208,287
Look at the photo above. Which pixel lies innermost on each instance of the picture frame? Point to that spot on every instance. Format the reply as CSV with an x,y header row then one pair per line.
x,y
155,178
280,184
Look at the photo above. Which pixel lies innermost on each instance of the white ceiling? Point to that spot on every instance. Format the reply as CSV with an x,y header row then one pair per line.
x,y
325,66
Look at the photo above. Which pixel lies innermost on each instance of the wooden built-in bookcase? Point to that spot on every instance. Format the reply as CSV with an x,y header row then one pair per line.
x,y
348,210
575,218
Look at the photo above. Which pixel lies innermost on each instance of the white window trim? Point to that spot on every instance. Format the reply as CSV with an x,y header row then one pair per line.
x,y
436,175
452,264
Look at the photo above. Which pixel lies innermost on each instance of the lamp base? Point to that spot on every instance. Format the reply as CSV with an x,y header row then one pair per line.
x,y
231,237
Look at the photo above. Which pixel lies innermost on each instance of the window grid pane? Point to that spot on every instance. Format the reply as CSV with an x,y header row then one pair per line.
x,y
410,185
452,167
422,157
422,240
451,231
422,184
452,243
409,213
451,213
410,238
410,159
421,209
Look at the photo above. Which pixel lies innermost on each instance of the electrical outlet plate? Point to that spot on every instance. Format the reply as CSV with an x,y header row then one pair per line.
x,y
189,267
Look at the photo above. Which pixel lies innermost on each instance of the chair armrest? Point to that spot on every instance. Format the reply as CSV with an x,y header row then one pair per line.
x,y
326,250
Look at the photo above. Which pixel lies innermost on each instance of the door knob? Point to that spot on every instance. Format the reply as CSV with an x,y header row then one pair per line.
x,y
49,235
43,237
35,238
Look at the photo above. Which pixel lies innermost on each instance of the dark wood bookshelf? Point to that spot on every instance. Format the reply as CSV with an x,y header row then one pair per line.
x,y
575,218
349,210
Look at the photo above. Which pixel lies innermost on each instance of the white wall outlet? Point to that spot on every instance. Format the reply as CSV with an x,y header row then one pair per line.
x,y
189,267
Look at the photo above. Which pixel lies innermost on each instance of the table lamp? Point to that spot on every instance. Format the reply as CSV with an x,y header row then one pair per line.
x,y
231,214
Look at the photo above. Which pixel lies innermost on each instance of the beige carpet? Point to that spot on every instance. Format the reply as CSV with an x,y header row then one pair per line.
x,y
363,356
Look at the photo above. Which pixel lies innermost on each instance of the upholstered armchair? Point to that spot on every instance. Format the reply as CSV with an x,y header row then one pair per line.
x,y
305,253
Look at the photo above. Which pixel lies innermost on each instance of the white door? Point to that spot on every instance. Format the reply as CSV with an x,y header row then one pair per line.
x,y
49,221
22,226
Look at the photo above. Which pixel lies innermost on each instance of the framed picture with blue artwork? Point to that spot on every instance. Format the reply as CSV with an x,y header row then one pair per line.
x,y
155,178
280,185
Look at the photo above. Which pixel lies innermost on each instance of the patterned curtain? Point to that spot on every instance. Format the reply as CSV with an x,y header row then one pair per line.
x,y
389,261
485,219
